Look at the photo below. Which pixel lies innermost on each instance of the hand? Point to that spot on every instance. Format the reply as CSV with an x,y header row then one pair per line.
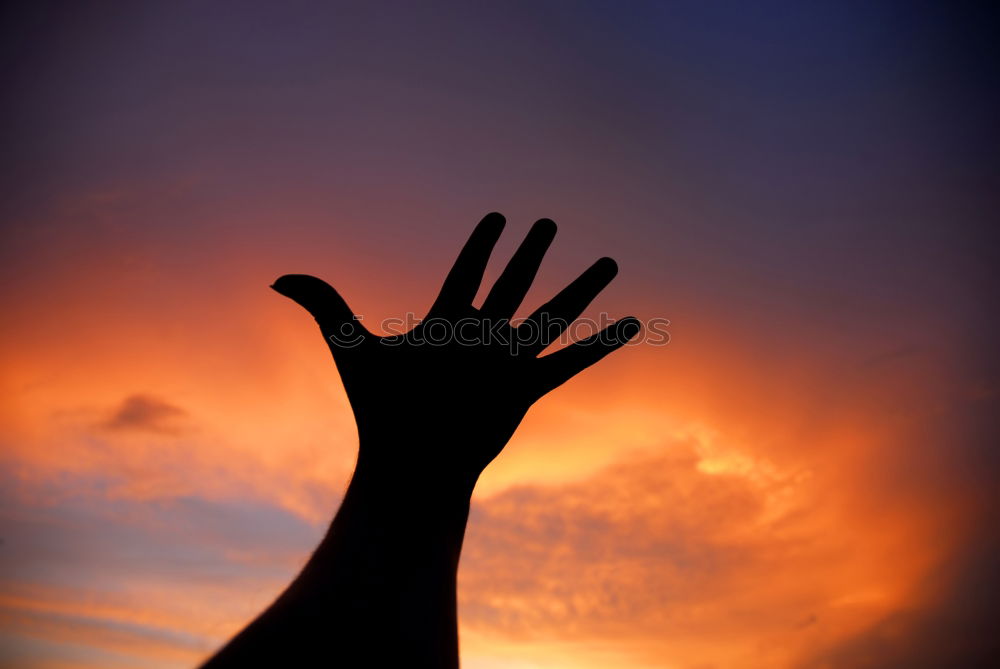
x,y
439,404
433,409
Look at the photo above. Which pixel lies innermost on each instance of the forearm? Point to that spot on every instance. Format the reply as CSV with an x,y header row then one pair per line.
x,y
380,587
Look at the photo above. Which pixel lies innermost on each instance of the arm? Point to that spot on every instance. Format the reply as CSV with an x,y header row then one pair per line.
x,y
378,591
432,411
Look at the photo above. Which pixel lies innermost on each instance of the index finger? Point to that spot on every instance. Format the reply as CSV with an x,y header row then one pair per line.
x,y
462,283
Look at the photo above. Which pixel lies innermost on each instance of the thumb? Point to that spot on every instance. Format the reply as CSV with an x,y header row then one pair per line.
x,y
319,298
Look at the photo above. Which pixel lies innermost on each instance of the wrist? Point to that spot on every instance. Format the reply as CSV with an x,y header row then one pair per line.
x,y
409,500
417,475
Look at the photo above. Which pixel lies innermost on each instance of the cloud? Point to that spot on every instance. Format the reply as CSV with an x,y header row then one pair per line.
x,y
660,556
146,448
688,557
609,548
146,413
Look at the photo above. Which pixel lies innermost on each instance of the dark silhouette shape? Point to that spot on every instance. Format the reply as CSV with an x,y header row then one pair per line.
x,y
432,412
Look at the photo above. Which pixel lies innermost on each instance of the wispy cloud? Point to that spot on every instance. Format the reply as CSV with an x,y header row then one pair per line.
x,y
146,413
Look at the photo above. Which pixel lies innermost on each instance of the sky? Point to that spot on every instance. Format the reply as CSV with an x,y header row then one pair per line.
x,y
803,478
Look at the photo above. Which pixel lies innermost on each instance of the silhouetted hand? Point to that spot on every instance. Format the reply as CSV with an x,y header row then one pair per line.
x,y
440,402
433,408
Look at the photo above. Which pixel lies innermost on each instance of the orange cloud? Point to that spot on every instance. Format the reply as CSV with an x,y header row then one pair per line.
x,y
667,558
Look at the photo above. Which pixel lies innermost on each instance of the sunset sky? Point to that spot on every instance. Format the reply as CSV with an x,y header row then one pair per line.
x,y
803,478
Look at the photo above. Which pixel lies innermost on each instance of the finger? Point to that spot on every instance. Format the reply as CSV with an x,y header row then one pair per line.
x,y
557,368
553,317
510,289
336,320
462,283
